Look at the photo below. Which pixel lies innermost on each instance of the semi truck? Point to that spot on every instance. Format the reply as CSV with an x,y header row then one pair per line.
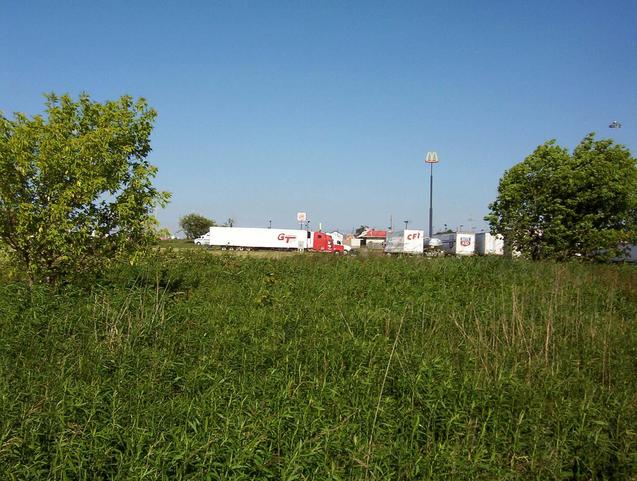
x,y
458,243
203,240
489,244
249,238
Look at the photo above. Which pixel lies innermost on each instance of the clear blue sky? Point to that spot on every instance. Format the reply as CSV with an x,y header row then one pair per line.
x,y
271,107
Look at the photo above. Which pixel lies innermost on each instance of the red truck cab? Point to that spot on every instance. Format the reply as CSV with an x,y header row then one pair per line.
x,y
321,242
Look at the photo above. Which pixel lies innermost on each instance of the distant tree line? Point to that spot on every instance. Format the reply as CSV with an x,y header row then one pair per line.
x,y
195,225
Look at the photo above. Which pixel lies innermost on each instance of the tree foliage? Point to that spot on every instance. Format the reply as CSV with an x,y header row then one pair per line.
x,y
195,225
75,186
560,205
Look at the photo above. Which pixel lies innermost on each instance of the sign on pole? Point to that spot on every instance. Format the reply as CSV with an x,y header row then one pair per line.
x,y
432,158
301,216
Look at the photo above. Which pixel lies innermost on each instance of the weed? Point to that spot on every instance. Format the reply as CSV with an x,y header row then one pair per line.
x,y
199,366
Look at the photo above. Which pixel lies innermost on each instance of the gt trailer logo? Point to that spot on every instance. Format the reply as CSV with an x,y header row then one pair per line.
x,y
286,237
465,241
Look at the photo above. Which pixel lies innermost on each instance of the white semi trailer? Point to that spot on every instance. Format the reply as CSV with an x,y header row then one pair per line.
x,y
257,238
458,243
489,244
408,241
244,238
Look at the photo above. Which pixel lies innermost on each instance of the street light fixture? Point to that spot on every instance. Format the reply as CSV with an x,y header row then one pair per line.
x,y
406,223
431,159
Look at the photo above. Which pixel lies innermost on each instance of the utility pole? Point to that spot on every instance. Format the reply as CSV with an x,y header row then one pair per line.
x,y
431,159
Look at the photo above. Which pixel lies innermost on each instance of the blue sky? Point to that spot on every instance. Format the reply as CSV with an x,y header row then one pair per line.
x,y
268,108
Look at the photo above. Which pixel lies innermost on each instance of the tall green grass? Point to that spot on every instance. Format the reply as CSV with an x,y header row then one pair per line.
x,y
194,366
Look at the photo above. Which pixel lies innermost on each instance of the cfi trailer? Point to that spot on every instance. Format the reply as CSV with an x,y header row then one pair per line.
x,y
408,241
412,241
248,238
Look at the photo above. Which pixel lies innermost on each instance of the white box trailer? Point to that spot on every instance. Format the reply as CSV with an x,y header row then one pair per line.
x,y
458,243
258,238
489,244
408,241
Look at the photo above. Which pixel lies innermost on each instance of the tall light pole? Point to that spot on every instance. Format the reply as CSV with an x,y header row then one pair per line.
x,y
431,159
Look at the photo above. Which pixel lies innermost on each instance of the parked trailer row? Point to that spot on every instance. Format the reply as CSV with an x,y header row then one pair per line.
x,y
413,241
408,241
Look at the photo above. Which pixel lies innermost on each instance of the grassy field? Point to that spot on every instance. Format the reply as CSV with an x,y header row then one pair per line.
x,y
194,366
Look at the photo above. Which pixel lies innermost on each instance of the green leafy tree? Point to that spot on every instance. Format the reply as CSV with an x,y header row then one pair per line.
x,y
195,225
560,205
163,233
75,187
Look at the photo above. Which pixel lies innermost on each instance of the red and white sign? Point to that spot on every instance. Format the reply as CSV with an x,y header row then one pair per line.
x,y
465,241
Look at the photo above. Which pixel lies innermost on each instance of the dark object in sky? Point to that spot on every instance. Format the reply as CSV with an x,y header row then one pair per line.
x,y
615,125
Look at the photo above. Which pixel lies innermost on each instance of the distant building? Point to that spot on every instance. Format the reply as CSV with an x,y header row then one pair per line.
x,y
372,238
352,241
